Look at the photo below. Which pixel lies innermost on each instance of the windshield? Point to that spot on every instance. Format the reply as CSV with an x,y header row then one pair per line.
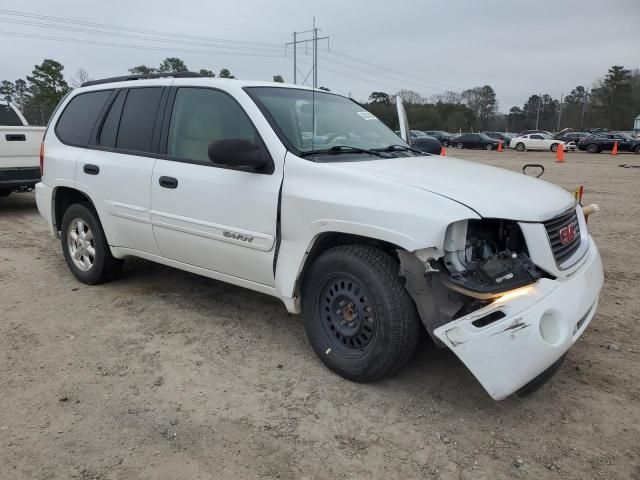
x,y
339,121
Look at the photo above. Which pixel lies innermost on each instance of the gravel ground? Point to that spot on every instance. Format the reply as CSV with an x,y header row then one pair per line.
x,y
164,374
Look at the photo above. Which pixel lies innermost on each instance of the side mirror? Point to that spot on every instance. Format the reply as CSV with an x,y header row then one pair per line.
x,y
237,152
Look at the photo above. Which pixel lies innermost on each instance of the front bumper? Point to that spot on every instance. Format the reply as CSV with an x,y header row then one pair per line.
x,y
539,325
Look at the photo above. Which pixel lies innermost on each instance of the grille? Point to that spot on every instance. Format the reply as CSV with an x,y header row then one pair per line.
x,y
563,252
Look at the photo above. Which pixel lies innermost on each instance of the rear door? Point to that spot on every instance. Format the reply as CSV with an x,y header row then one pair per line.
x,y
214,217
116,169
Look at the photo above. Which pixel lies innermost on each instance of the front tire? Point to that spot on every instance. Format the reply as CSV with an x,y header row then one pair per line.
x,y
520,147
593,148
459,146
489,147
85,246
554,147
358,316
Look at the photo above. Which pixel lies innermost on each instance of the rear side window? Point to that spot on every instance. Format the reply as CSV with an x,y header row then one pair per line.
x,y
8,117
109,131
79,117
138,119
537,137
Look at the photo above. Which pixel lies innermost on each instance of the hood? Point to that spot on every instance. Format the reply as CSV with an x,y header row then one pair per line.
x,y
490,191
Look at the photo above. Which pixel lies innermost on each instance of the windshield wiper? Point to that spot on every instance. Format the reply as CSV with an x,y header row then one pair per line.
x,y
338,149
400,148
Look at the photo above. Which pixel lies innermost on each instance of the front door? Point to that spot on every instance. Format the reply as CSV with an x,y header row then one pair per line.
x,y
214,217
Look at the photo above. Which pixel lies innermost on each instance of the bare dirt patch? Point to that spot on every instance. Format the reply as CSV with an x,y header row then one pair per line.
x,y
165,375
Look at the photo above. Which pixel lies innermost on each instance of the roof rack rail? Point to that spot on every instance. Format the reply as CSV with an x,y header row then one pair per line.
x,y
141,76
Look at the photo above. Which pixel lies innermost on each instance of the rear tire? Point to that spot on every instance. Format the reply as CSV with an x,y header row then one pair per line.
x,y
520,147
85,246
358,316
593,148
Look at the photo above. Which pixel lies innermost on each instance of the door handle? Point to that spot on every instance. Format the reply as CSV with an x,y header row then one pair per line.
x,y
168,182
91,169
15,137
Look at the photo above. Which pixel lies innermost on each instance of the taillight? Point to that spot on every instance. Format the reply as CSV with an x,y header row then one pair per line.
x,y
42,159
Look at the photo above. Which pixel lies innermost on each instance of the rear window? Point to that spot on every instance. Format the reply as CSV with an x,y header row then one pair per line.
x,y
76,122
8,117
138,119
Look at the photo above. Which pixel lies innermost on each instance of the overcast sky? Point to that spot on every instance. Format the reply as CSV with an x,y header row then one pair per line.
x,y
519,48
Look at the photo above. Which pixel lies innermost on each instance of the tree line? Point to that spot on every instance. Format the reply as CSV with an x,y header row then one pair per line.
x,y
612,102
37,94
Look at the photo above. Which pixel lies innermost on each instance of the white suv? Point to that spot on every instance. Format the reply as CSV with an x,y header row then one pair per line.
x,y
306,196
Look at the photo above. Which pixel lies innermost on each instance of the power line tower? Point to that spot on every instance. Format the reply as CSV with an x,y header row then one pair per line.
x,y
299,38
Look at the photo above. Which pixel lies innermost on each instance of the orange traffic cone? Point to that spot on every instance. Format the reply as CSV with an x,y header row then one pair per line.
x,y
443,152
615,149
560,154
500,146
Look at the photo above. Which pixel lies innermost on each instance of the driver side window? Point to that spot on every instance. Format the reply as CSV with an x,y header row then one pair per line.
x,y
201,116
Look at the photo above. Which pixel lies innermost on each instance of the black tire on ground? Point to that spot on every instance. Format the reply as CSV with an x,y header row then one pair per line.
x,y
5,192
520,147
459,145
358,316
489,146
104,266
554,147
593,148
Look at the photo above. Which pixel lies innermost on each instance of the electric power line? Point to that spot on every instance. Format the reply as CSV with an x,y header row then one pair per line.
x,y
138,37
124,45
16,13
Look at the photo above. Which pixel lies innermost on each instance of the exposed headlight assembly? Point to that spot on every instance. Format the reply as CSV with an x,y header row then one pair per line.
x,y
485,258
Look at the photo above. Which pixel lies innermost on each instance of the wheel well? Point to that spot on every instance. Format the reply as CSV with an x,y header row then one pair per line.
x,y
327,240
64,198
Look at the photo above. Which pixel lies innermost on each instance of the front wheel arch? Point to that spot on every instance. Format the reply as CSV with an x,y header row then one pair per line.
x,y
327,240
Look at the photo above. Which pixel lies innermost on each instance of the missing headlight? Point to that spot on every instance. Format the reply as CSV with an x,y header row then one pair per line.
x,y
485,258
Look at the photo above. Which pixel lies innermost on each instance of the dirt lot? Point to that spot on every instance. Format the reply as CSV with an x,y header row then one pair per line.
x,y
167,375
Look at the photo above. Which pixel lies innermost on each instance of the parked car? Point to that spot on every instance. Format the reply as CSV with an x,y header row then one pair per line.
x,y
366,237
505,137
475,140
427,144
538,141
570,136
19,151
605,142
529,132
443,137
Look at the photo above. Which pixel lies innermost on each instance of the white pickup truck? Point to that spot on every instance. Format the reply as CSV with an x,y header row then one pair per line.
x,y
306,196
19,151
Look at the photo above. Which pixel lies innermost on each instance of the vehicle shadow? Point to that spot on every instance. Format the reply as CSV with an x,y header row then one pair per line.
x,y
18,203
432,375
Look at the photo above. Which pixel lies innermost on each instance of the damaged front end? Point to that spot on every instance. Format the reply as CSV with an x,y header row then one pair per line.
x,y
481,295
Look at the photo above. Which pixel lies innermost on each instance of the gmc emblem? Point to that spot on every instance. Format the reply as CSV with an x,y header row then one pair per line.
x,y
567,234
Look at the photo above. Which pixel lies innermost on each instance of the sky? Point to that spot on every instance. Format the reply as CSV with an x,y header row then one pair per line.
x,y
519,48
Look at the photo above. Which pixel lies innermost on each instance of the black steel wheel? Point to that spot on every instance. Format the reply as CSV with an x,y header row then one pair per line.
x,y
358,317
349,314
